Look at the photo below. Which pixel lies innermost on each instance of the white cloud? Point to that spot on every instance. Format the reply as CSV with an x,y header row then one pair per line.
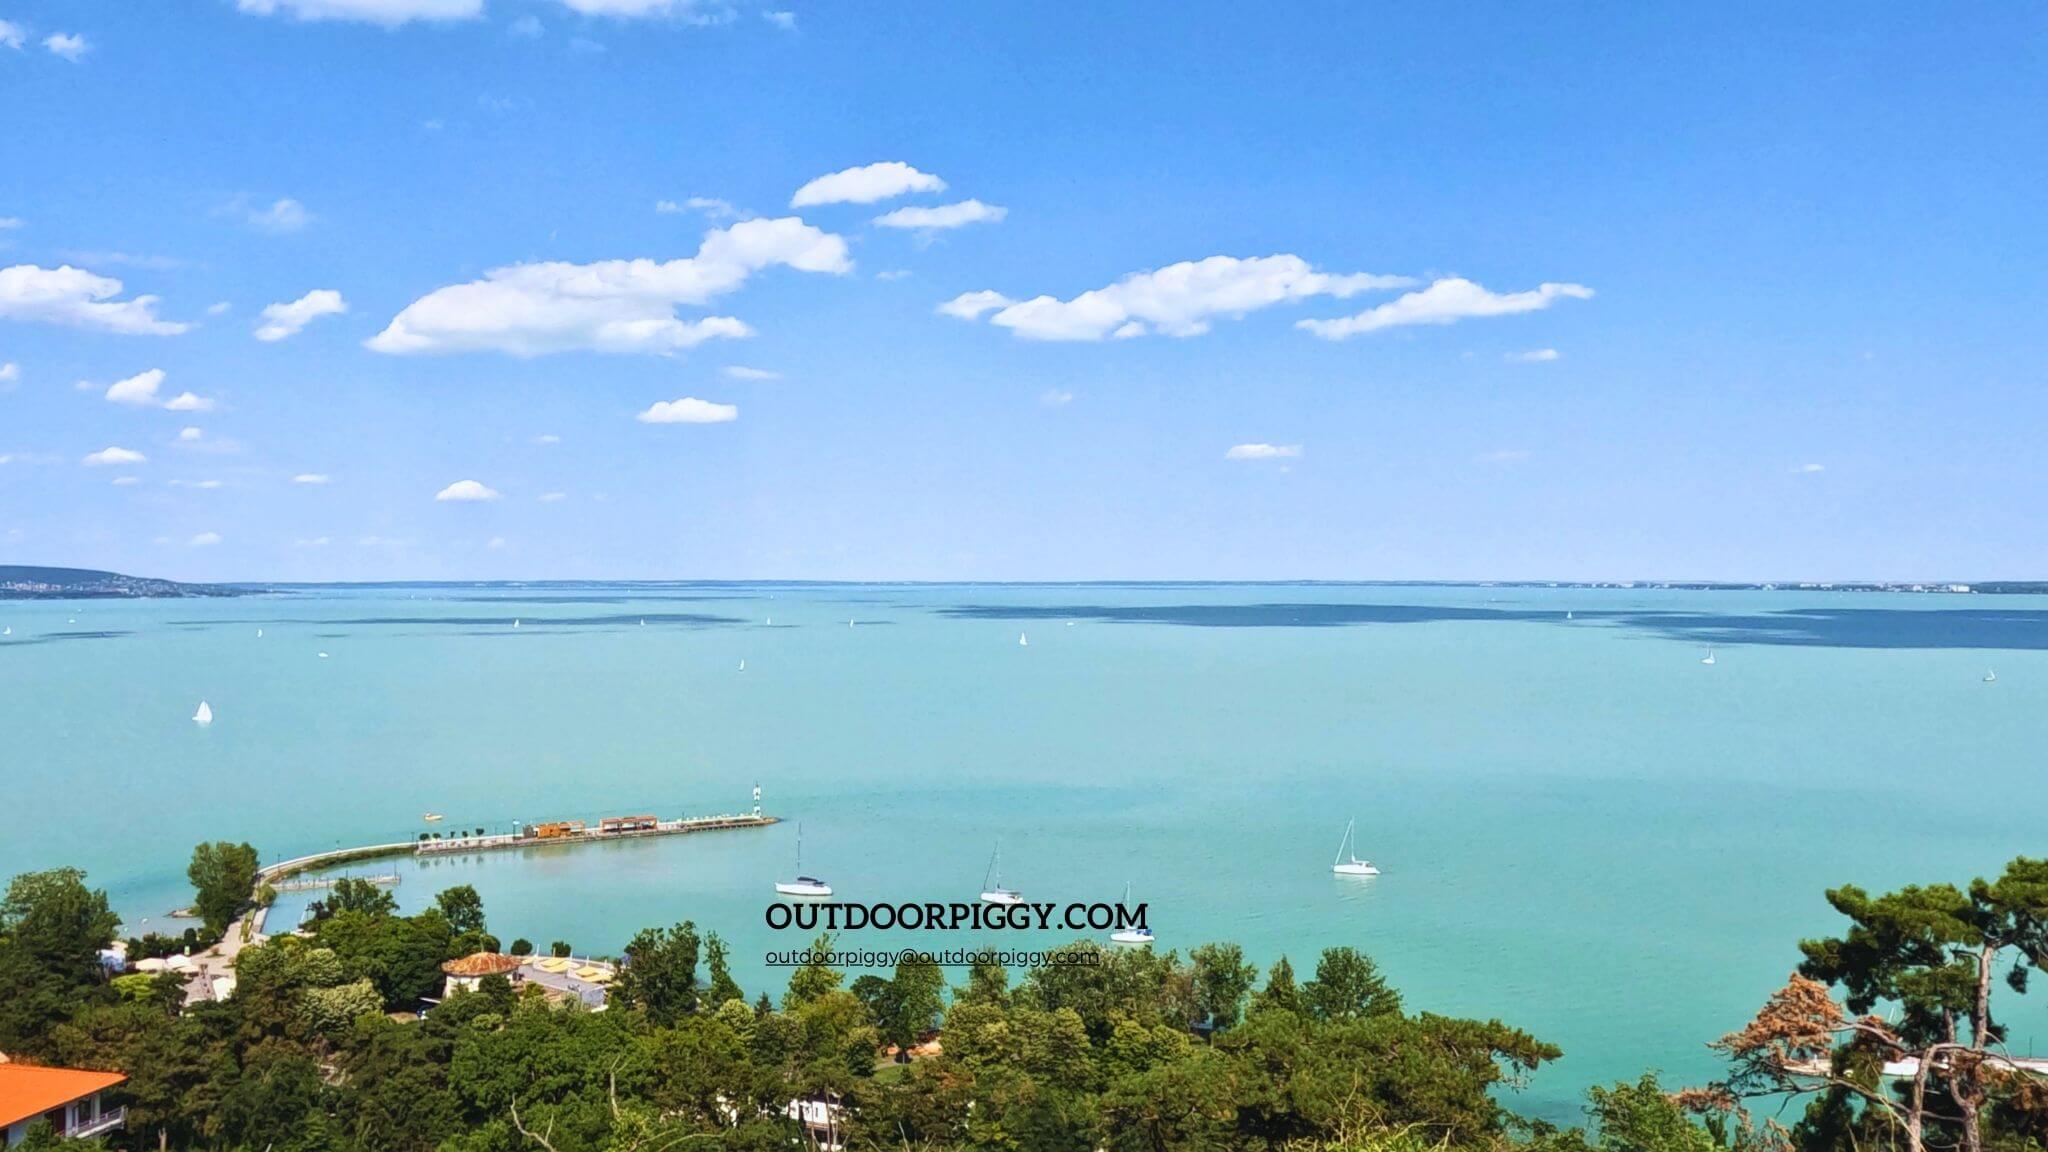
x,y
9,372
1263,452
866,185
711,207
1177,300
627,9
389,13
124,481
138,390
944,216
76,298
207,485
527,27
9,223
783,20
1444,302
495,542
188,435
547,438
1533,356
68,45
204,540
286,215
612,305
466,491
187,402
282,320
12,35
689,410
1810,469
109,456
970,305
220,309
1056,398
893,274
552,497
742,372
312,542
311,478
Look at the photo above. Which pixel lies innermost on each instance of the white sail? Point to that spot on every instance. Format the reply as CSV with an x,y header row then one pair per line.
x,y
743,665
1023,641
204,715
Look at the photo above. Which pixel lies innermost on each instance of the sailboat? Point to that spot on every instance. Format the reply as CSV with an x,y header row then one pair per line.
x,y
259,633
515,621
7,631
992,890
1347,862
743,665
1709,658
204,716
1567,614
1023,641
1990,677
803,885
432,817
1138,936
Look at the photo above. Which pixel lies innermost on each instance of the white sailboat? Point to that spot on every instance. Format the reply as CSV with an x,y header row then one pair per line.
x,y
1709,658
743,665
259,633
1990,677
803,885
204,716
7,631
1347,862
1135,936
992,890
515,621
1023,641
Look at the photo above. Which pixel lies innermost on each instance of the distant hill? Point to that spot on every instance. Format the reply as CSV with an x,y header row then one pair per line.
x,y
18,582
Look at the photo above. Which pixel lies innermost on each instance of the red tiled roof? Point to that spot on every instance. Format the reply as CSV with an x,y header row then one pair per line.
x,y
29,1090
482,964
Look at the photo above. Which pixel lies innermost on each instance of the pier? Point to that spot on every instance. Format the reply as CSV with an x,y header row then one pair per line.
x,y
311,883
576,832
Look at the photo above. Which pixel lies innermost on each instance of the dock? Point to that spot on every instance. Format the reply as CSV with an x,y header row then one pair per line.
x,y
311,883
575,832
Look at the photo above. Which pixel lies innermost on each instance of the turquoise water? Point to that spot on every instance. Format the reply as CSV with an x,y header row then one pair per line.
x,y
1584,830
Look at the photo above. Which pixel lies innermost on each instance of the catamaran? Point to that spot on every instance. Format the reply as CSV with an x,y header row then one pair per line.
x,y
803,885
992,890
1139,936
1347,862
205,714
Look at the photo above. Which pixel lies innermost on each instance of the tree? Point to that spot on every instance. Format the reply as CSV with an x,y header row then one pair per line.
x,y
350,894
1348,986
1640,1117
814,978
915,997
52,928
560,948
223,879
463,908
522,947
1933,954
1222,981
660,973
1280,991
722,986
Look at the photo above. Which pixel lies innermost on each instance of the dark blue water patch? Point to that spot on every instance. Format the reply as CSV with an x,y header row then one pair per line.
x,y
54,637
652,618
1989,628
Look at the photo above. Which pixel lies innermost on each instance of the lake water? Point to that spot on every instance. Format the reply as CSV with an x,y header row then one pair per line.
x,y
1584,830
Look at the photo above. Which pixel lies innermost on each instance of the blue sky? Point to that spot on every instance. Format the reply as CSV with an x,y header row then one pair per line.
x,y
1793,327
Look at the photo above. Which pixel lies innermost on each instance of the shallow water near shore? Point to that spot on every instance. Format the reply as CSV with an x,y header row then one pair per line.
x,y
1584,831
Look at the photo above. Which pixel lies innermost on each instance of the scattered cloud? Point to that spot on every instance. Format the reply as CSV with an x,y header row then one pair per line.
x,y
389,13
712,208
1810,469
1533,356
68,45
893,274
584,46
142,260
204,540
107,457
466,492
547,438
282,320
138,390
187,402
10,372
783,20
1445,302
1263,452
12,35
188,435
124,481
495,542
689,410
742,372
1055,398
612,305
207,485
552,497
1177,300
311,478
527,27
286,215
220,309
76,298
945,216
312,542
866,185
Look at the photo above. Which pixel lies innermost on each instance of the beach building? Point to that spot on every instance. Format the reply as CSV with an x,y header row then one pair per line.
x,y
68,1098
465,972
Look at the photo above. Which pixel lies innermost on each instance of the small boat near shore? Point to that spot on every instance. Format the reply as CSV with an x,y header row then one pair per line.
x,y
1134,937
432,817
1347,862
204,716
803,885
992,890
